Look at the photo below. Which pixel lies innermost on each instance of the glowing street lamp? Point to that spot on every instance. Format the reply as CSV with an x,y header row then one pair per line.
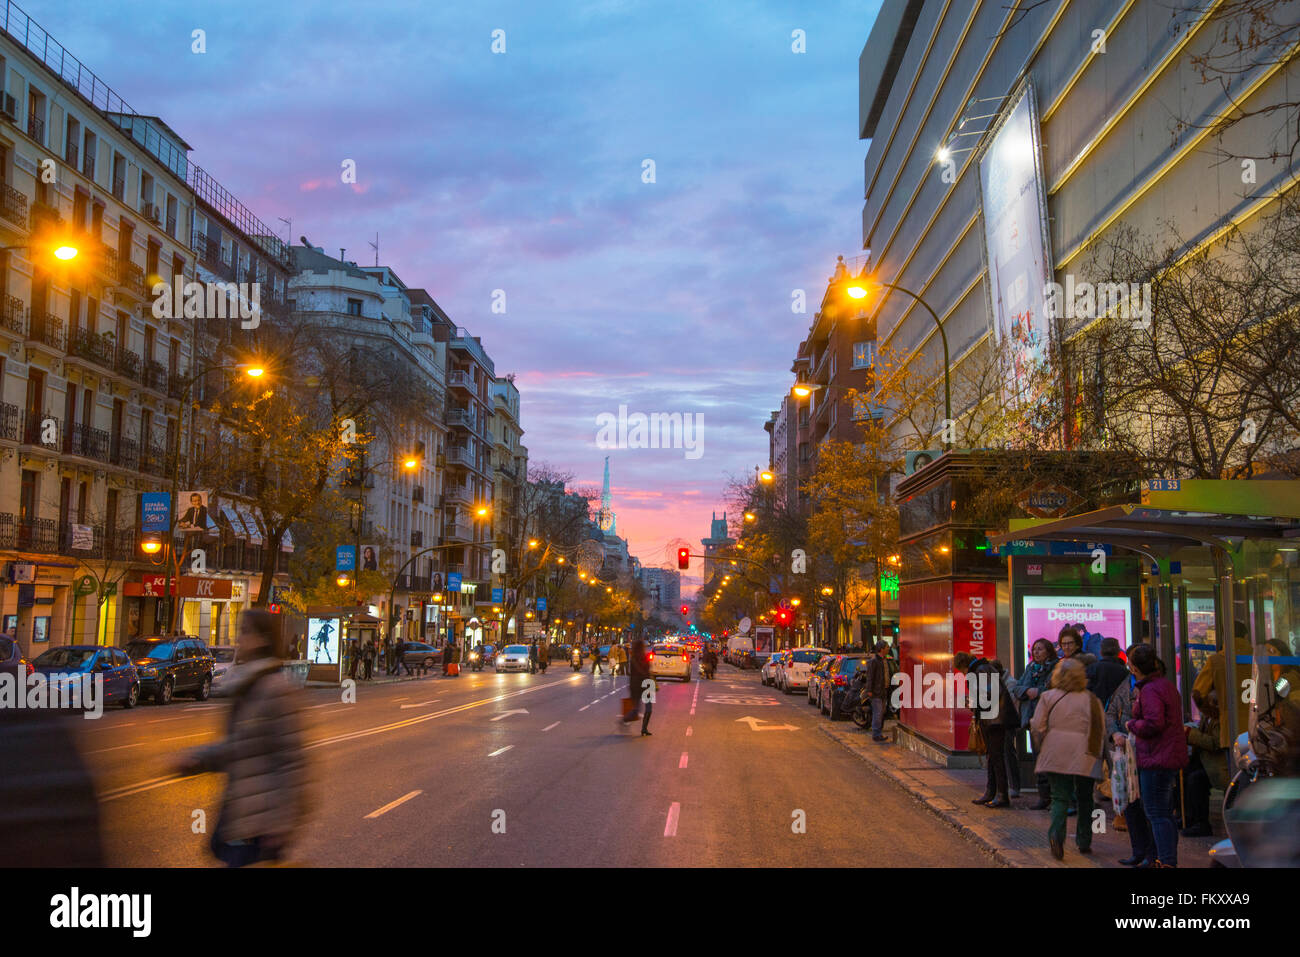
x,y
151,546
343,581
65,252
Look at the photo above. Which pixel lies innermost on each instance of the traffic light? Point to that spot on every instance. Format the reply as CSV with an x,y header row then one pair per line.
x,y
685,610
784,617
683,560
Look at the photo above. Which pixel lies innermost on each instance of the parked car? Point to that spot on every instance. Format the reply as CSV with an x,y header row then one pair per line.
x,y
604,653
795,666
768,673
12,659
224,657
561,652
172,664
835,682
71,662
816,675
512,658
670,661
421,654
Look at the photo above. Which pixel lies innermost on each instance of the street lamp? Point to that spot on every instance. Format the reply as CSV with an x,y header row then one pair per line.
x,y
864,285
343,581
151,546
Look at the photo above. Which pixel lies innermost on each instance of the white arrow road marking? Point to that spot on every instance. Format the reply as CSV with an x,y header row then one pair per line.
x,y
506,714
682,762
550,726
420,704
755,722
500,750
392,804
674,812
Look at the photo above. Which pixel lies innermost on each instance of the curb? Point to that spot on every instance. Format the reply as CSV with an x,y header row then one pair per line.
x,y
943,810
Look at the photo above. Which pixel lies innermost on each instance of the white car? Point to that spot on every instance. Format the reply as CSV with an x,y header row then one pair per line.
x,y
224,657
670,661
795,666
767,674
512,658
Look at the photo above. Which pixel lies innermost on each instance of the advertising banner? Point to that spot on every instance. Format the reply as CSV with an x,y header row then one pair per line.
x,y
1015,244
453,581
345,558
323,641
1097,616
156,511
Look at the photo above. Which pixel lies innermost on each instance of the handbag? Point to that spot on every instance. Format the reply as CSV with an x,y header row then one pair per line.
x,y
1130,754
975,743
1119,779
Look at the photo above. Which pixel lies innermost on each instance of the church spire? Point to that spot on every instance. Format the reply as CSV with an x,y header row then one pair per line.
x,y
607,520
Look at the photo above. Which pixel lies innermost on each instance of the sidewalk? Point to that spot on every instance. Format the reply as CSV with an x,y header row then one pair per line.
x,y
1015,836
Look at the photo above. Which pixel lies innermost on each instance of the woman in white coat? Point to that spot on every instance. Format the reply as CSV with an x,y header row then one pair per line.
x,y
1069,733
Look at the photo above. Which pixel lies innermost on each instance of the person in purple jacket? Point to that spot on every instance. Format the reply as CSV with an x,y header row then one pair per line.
x,y
1161,749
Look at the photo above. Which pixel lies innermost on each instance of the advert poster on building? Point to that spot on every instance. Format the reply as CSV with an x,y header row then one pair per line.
x,y
763,640
323,641
974,631
1015,244
1097,616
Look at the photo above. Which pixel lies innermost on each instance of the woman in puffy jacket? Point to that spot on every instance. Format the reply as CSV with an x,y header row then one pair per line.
x,y
1069,731
1161,749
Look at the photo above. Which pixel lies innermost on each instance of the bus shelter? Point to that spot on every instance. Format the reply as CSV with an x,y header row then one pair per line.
x,y
1205,572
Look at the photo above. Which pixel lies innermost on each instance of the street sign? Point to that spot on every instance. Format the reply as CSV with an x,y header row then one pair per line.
x,y
345,558
453,581
85,585
20,572
541,604
155,508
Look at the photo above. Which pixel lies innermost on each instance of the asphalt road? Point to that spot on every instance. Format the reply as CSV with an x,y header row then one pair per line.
x,y
534,770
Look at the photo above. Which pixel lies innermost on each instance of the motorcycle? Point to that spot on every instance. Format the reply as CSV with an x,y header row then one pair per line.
x,y
575,659
706,669
856,703
475,661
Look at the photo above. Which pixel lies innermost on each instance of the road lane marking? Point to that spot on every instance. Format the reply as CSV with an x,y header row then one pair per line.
x,y
506,714
500,750
392,804
402,698
674,812
327,704
420,704
181,737
120,747
584,707
688,732
550,726
161,720
164,781
682,763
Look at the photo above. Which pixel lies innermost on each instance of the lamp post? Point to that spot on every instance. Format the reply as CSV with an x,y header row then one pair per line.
x,y
863,285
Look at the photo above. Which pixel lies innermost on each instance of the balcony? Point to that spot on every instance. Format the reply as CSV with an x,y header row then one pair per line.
x,y
13,206
86,345
461,419
176,385
11,418
155,376
47,329
456,494
119,545
37,426
96,549
72,155
127,363
37,535
87,442
154,459
124,453
171,226
417,494
119,187
457,531
88,167
461,457
463,381
12,315
417,539
104,260
130,277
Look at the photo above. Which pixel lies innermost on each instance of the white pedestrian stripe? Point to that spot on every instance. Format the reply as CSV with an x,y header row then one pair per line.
x,y
682,763
500,750
550,726
392,804
674,812
421,704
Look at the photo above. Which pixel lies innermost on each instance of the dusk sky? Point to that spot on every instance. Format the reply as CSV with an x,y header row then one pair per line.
x,y
522,172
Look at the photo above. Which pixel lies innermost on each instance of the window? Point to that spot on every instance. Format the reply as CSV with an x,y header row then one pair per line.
x,y
864,354
90,146
146,192
354,307
72,146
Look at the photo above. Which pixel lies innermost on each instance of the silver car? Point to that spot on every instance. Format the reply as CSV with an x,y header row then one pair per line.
x,y
512,658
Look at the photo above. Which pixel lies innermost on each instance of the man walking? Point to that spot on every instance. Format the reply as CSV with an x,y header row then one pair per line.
x,y
640,686
877,690
532,658
595,659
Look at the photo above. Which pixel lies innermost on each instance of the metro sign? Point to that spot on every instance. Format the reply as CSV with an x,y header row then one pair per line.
x,y
1045,500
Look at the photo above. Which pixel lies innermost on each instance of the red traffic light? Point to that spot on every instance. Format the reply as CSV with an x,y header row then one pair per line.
x,y
784,617
684,609
683,559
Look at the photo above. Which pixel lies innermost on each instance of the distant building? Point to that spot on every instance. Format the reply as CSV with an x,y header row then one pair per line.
x,y
718,539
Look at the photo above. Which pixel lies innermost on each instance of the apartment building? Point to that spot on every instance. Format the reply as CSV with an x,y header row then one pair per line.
x,y
92,384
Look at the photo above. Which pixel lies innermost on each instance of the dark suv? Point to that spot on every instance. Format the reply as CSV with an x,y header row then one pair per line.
x,y
170,665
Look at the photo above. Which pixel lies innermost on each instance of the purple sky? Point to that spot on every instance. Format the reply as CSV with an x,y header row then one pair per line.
x,y
522,171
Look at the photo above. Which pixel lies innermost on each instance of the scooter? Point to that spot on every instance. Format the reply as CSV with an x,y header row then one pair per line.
x,y
475,661
706,670
857,704
575,659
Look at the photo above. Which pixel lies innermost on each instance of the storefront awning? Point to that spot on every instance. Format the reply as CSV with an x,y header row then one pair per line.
x,y
1153,530
254,535
232,519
